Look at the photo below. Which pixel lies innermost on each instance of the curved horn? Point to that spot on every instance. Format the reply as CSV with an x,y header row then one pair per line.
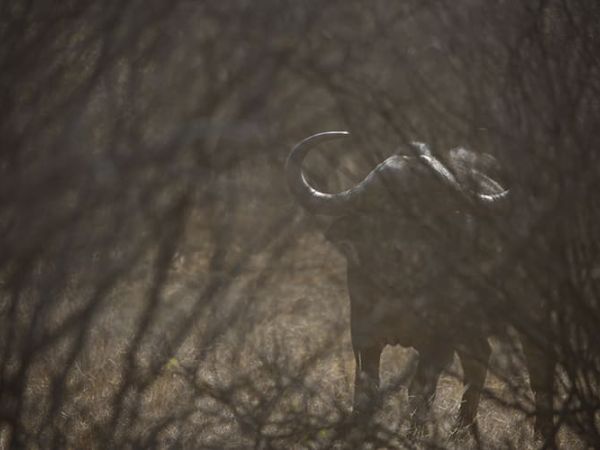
x,y
315,201
493,191
472,171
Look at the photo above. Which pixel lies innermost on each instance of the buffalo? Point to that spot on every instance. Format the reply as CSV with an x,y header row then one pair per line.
x,y
424,255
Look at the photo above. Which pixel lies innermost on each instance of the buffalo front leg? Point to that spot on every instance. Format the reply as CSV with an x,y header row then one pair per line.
x,y
474,360
421,392
367,347
541,365
366,380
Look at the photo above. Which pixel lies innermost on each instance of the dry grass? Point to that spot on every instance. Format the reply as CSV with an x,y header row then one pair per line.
x,y
266,362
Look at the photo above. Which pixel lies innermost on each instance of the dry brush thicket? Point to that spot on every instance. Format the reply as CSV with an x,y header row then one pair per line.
x,y
160,288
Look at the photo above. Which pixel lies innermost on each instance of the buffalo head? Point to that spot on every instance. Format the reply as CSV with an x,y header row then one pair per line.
x,y
465,173
405,200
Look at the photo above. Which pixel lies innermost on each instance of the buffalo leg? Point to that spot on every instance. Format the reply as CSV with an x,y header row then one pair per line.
x,y
474,360
541,365
366,381
421,392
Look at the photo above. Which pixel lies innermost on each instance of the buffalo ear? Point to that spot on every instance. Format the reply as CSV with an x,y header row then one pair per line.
x,y
342,233
338,231
348,249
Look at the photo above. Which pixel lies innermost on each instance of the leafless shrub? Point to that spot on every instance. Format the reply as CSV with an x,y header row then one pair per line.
x,y
159,287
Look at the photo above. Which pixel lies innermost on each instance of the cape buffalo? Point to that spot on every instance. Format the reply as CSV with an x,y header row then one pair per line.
x,y
422,260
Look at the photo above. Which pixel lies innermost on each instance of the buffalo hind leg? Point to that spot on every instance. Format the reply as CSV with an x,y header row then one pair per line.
x,y
474,360
541,365
366,380
421,392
